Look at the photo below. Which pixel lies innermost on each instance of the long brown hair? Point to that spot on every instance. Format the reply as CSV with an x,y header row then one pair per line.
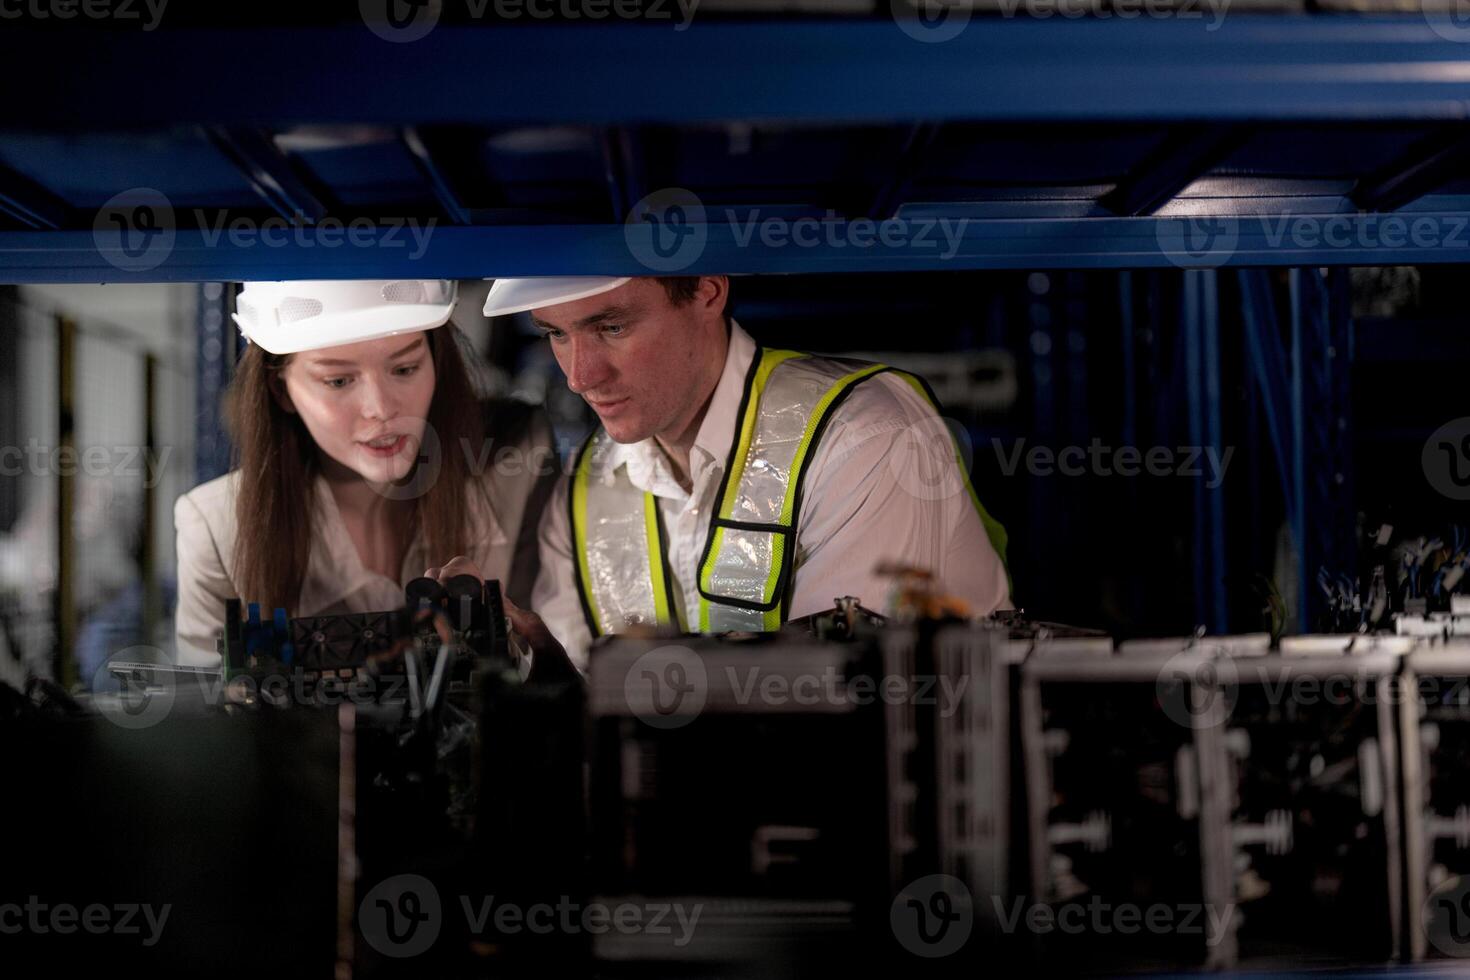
x,y
275,503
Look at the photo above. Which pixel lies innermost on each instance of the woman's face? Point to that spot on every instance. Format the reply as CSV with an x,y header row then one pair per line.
x,y
365,404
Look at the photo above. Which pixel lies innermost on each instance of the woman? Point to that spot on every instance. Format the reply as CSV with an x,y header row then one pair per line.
x,y
361,453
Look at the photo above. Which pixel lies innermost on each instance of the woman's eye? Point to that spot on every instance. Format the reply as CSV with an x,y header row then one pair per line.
x,y
335,382
404,370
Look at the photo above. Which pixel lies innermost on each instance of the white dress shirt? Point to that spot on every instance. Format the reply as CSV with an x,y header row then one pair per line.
x,y
882,486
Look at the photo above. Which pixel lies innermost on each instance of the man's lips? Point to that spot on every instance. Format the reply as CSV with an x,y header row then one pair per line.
x,y
604,406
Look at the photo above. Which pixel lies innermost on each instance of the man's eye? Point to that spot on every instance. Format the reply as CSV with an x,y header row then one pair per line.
x,y
555,335
615,329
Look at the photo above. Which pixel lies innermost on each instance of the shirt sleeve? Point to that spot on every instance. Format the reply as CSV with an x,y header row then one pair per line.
x,y
204,587
555,597
885,487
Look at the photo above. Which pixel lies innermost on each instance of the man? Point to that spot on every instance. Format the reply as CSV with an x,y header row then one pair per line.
x,y
732,487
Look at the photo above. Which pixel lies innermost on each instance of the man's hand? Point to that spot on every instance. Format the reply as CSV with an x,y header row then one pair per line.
x,y
549,661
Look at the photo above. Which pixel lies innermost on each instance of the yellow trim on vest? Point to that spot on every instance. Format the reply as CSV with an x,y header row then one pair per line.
x,y
725,508
663,615
579,536
772,620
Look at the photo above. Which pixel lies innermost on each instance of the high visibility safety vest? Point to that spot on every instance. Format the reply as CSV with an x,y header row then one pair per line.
x,y
618,534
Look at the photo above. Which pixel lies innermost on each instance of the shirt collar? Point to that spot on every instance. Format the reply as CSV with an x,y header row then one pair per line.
x,y
647,468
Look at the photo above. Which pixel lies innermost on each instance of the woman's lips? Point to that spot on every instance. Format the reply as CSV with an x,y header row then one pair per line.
x,y
391,449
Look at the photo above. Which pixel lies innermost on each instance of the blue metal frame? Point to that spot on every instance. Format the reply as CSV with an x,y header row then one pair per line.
x,y
607,73
214,365
1177,164
1202,386
1305,399
443,251
424,157
30,204
268,172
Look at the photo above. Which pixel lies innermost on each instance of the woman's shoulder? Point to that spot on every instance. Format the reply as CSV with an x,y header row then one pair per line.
x,y
213,500
204,526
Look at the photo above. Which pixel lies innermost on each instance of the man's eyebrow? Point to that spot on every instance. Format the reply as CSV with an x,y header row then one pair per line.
x,y
596,319
334,362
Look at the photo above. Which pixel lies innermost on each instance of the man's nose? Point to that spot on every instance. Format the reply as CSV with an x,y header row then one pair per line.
x,y
586,367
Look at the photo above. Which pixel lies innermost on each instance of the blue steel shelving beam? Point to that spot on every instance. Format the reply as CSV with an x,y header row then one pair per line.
x,y
1202,390
268,172
728,245
1427,167
433,173
1277,384
29,203
889,197
623,169
1304,387
1184,158
1244,68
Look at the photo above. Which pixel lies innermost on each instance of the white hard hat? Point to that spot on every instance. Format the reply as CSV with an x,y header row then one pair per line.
x,y
309,314
518,295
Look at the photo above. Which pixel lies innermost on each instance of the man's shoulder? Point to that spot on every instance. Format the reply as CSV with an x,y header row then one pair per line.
x,y
887,397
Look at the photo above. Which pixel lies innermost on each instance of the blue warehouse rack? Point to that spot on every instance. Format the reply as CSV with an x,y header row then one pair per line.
x,y
1260,140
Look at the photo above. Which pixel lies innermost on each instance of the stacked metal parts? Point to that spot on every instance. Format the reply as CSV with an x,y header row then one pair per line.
x,y
929,796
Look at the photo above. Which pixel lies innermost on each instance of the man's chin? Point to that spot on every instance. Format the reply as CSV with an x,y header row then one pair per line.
x,y
621,432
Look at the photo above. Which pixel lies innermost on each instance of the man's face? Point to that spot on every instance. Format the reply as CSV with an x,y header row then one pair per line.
x,y
642,363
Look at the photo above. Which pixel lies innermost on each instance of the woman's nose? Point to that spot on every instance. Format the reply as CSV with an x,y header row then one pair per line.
x,y
378,401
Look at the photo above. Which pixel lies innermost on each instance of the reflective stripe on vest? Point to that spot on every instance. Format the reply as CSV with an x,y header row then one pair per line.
x,y
746,567
622,574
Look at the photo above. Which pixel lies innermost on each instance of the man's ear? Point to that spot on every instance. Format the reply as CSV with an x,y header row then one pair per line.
x,y
279,393
712,293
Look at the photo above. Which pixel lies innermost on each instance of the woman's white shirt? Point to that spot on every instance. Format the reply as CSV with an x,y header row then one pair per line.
x,y
502,543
